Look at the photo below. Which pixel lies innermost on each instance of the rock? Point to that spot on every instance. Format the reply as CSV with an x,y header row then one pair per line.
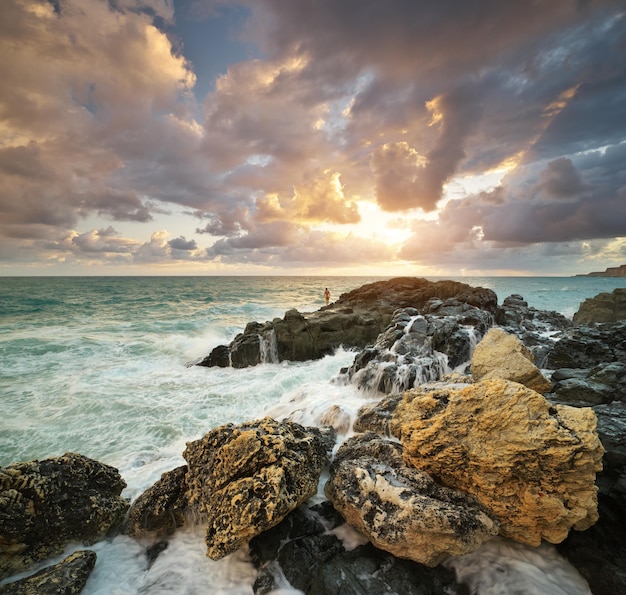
x,y
44,505
604,307
161,509
354,320
532,465
375,417
304,550
500,355
420,348
619,271
402,510
589,346
67,577
246,478
581,392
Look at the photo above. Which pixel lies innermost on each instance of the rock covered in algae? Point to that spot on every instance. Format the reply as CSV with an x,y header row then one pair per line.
x,y
46,504
533,465
68,577
246,478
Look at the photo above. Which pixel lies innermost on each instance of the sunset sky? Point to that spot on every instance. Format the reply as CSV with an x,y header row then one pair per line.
x,y
348,137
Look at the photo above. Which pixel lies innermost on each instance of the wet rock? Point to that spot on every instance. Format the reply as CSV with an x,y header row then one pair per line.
x,y
354,320
402,510
46,504
67,577
531,464
246,478
304,551
604,307
589,346
502,355
416,349
161,509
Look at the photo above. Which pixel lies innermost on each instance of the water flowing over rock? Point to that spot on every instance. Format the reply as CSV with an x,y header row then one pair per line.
x,y
246,478
604,307
161,509
537,329
501,355
354,320
533,465
68,577
420,348
44,505
402,510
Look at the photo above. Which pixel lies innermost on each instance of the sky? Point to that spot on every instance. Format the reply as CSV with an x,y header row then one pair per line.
x,y
312,137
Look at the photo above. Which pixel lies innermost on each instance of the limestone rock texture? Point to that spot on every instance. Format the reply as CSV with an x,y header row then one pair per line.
x,y
402,510
501,355
68,577
533,465
246,478
46,504
161,508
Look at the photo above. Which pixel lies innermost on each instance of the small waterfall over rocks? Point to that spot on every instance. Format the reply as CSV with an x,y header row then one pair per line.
x,y
268,347
418,348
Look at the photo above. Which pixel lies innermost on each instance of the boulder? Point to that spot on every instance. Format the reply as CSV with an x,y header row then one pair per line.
x,y
604,307
402,510
531,464
246,478
68,577
589,346
354,320
44,505
161,509
504,356
305,550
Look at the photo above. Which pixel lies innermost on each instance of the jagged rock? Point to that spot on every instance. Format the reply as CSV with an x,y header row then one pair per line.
x,y
354,320
304,550
417,349
589,346
161,508
46,504
501,355
246,478
604,307
533,465
402,510
375,417
67,577
537,329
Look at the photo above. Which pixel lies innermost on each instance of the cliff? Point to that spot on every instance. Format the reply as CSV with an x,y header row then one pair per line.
x,y
619,271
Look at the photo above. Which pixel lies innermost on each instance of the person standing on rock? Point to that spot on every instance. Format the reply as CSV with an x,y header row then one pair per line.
x,y
327,295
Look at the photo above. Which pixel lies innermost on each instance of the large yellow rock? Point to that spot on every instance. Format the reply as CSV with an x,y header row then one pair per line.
x,y
501,355
531,464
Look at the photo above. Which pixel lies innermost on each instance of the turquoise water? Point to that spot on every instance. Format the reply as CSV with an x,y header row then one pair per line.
x,y
98,365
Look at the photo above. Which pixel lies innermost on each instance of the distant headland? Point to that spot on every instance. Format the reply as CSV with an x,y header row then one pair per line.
x,y
619,271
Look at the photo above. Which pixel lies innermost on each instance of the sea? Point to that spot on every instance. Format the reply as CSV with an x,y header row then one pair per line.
x,y
103,366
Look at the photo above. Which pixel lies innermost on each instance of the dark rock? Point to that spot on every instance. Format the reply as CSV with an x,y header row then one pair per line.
x,y
245,479
68,577
154,551
375,417
604,307
161,508
219,357
589,346
581,392
47,504
599,553
302,551
354,320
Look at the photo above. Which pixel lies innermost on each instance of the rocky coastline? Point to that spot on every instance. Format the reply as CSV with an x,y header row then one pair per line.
x,y
490,422
619,271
